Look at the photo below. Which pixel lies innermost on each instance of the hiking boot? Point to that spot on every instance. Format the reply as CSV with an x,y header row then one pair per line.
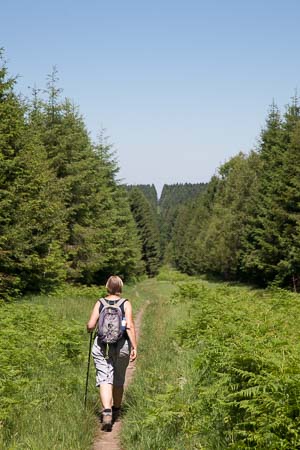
x,y
116,412
107,420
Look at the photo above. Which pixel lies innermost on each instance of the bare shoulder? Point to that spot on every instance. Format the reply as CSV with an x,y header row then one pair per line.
x,y
128,313
127,305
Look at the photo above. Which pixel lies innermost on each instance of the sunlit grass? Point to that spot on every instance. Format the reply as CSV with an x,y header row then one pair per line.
x,y
219,369
43,369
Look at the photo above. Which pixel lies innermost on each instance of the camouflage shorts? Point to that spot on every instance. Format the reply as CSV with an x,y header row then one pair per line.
x,y
111,370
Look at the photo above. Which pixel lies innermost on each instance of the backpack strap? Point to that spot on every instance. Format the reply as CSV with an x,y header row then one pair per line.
x,y
121,301
104,302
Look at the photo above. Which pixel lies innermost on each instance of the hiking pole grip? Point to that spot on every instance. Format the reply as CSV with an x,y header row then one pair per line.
x,y
88,370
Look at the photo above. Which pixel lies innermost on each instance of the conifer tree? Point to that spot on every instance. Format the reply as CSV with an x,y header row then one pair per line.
x,y
190,228
149,192
31,217
172,197
97,221
179,248
224,237
263,249
289,265
121,245
147,230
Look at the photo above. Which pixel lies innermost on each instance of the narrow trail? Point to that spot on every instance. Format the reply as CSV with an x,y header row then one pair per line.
x,y
111,440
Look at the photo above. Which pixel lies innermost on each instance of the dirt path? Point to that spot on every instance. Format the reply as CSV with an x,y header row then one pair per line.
x,y
111,440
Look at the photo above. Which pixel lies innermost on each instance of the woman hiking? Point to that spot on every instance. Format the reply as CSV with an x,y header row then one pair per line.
x,y
113,348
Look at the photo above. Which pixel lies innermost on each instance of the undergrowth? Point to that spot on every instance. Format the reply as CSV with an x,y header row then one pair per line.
x,y
43,365
220,369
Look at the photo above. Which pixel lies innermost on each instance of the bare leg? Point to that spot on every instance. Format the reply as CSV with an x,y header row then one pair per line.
x,y
106,395
117,395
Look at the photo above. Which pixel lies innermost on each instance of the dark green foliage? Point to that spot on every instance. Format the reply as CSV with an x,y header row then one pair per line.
x,y
147,230
172,197
123,254
32,217
149,192
179,249
63,214
263,249
246,225
186,247
176,194
272,247
222,243
101,235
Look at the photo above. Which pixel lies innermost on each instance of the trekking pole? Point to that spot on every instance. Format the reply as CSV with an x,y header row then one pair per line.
x,y
88,370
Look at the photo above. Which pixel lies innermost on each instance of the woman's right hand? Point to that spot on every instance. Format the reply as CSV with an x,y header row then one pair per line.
x,y
133,354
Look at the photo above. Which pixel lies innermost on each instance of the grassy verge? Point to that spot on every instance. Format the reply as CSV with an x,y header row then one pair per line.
x,y
43,363
151,418
219,368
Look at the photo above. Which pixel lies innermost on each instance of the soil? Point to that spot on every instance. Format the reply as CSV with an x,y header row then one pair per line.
x,y
111,440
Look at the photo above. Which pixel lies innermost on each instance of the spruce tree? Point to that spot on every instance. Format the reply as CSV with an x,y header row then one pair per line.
x,y
289,265
225,231
31,218
101,233
179,248
263,247
147,230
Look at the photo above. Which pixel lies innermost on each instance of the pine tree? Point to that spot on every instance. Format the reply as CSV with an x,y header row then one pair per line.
x,y
264,247
188,234
31,218
149,192
101,233
121,246
226,228
147,230
172,197
289,265
179,248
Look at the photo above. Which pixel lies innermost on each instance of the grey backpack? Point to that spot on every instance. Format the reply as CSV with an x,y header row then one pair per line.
x,y
110,328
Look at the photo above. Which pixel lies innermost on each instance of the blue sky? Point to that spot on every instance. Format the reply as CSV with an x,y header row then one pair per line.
x,y
179,86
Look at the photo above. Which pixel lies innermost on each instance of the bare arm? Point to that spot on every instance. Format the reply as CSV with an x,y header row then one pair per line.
x,y
130,328
94,318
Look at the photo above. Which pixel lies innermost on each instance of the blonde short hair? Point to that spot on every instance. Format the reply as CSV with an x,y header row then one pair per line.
x,y
114,285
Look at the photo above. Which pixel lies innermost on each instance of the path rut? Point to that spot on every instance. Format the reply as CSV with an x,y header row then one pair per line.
x,y
111,440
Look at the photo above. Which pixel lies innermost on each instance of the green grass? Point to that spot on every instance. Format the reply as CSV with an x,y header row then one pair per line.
x,y
43,363
220,369
151,419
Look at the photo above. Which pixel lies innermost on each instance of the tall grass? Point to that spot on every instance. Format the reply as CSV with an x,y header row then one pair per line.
x,y
151,418
220,369
43,363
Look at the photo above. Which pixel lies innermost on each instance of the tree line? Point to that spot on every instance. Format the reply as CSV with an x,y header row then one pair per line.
x,y
246,225
173,196
63,214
